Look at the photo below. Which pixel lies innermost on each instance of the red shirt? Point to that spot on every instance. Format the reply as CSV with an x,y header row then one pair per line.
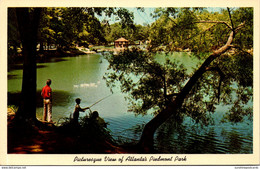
x,y
46,92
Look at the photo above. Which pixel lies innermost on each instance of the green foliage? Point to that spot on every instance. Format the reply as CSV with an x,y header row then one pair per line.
x,y
126,17
86,128
13,35
13,107
174,28
181,28
116,30
244,38
151,84
228,81
66,27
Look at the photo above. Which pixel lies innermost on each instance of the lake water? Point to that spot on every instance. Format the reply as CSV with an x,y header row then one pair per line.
x,y
82,77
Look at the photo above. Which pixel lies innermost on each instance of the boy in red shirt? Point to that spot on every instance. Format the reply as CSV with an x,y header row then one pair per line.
x,y
47,101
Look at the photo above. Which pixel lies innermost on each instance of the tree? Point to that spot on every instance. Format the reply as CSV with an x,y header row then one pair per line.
x,y
47,28
141,32
13,36
61,26
131,33
169,91
28,21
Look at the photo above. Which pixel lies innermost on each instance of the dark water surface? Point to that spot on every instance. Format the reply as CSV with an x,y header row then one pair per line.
x,y
81,76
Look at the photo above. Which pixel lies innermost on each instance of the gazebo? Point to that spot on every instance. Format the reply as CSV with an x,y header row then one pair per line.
x,y
121,43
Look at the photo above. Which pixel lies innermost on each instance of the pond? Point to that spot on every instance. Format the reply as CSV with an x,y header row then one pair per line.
x,y
82,77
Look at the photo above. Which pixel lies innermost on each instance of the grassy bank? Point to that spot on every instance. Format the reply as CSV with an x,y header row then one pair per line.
x,y
68,138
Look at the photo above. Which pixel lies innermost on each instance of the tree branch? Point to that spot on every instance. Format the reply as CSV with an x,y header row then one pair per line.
x,y
230,39
201,32
230,17
173,21
215,69
170,96
240,49
146,141
219,22
239,26
222,76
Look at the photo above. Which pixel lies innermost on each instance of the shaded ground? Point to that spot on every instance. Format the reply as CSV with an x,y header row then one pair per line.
x,y
46,138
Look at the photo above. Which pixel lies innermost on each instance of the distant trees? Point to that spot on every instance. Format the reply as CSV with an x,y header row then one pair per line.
x,y
131,33
13,36
66,27
63,27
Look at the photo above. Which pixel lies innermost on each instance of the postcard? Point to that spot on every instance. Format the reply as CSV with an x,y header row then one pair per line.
x,y
129,83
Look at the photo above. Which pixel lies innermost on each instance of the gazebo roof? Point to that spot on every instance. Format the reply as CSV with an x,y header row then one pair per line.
x,y
121,40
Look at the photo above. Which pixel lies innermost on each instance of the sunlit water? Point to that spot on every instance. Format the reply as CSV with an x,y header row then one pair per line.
x,y
82,77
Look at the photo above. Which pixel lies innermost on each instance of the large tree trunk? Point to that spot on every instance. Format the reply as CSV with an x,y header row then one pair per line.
x,y
28,26
146,142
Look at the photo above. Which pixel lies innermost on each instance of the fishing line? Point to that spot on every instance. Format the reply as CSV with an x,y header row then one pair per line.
x,y
100,100
71,114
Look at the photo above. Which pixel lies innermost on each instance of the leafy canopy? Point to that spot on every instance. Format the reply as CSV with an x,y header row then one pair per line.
x,y
151,84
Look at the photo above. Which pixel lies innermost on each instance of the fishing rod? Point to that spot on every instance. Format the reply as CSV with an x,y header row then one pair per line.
x,y
94,104
100,100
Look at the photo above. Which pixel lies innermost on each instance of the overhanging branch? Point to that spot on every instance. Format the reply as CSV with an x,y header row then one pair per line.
x,y
222,76
208,29
146,141
230,18
216,69
219,22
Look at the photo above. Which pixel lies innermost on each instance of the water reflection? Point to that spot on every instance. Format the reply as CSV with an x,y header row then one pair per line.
x,y
202,144
20,67
187,139
50,59
87,85
13,77
61,98
82,77
236,144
